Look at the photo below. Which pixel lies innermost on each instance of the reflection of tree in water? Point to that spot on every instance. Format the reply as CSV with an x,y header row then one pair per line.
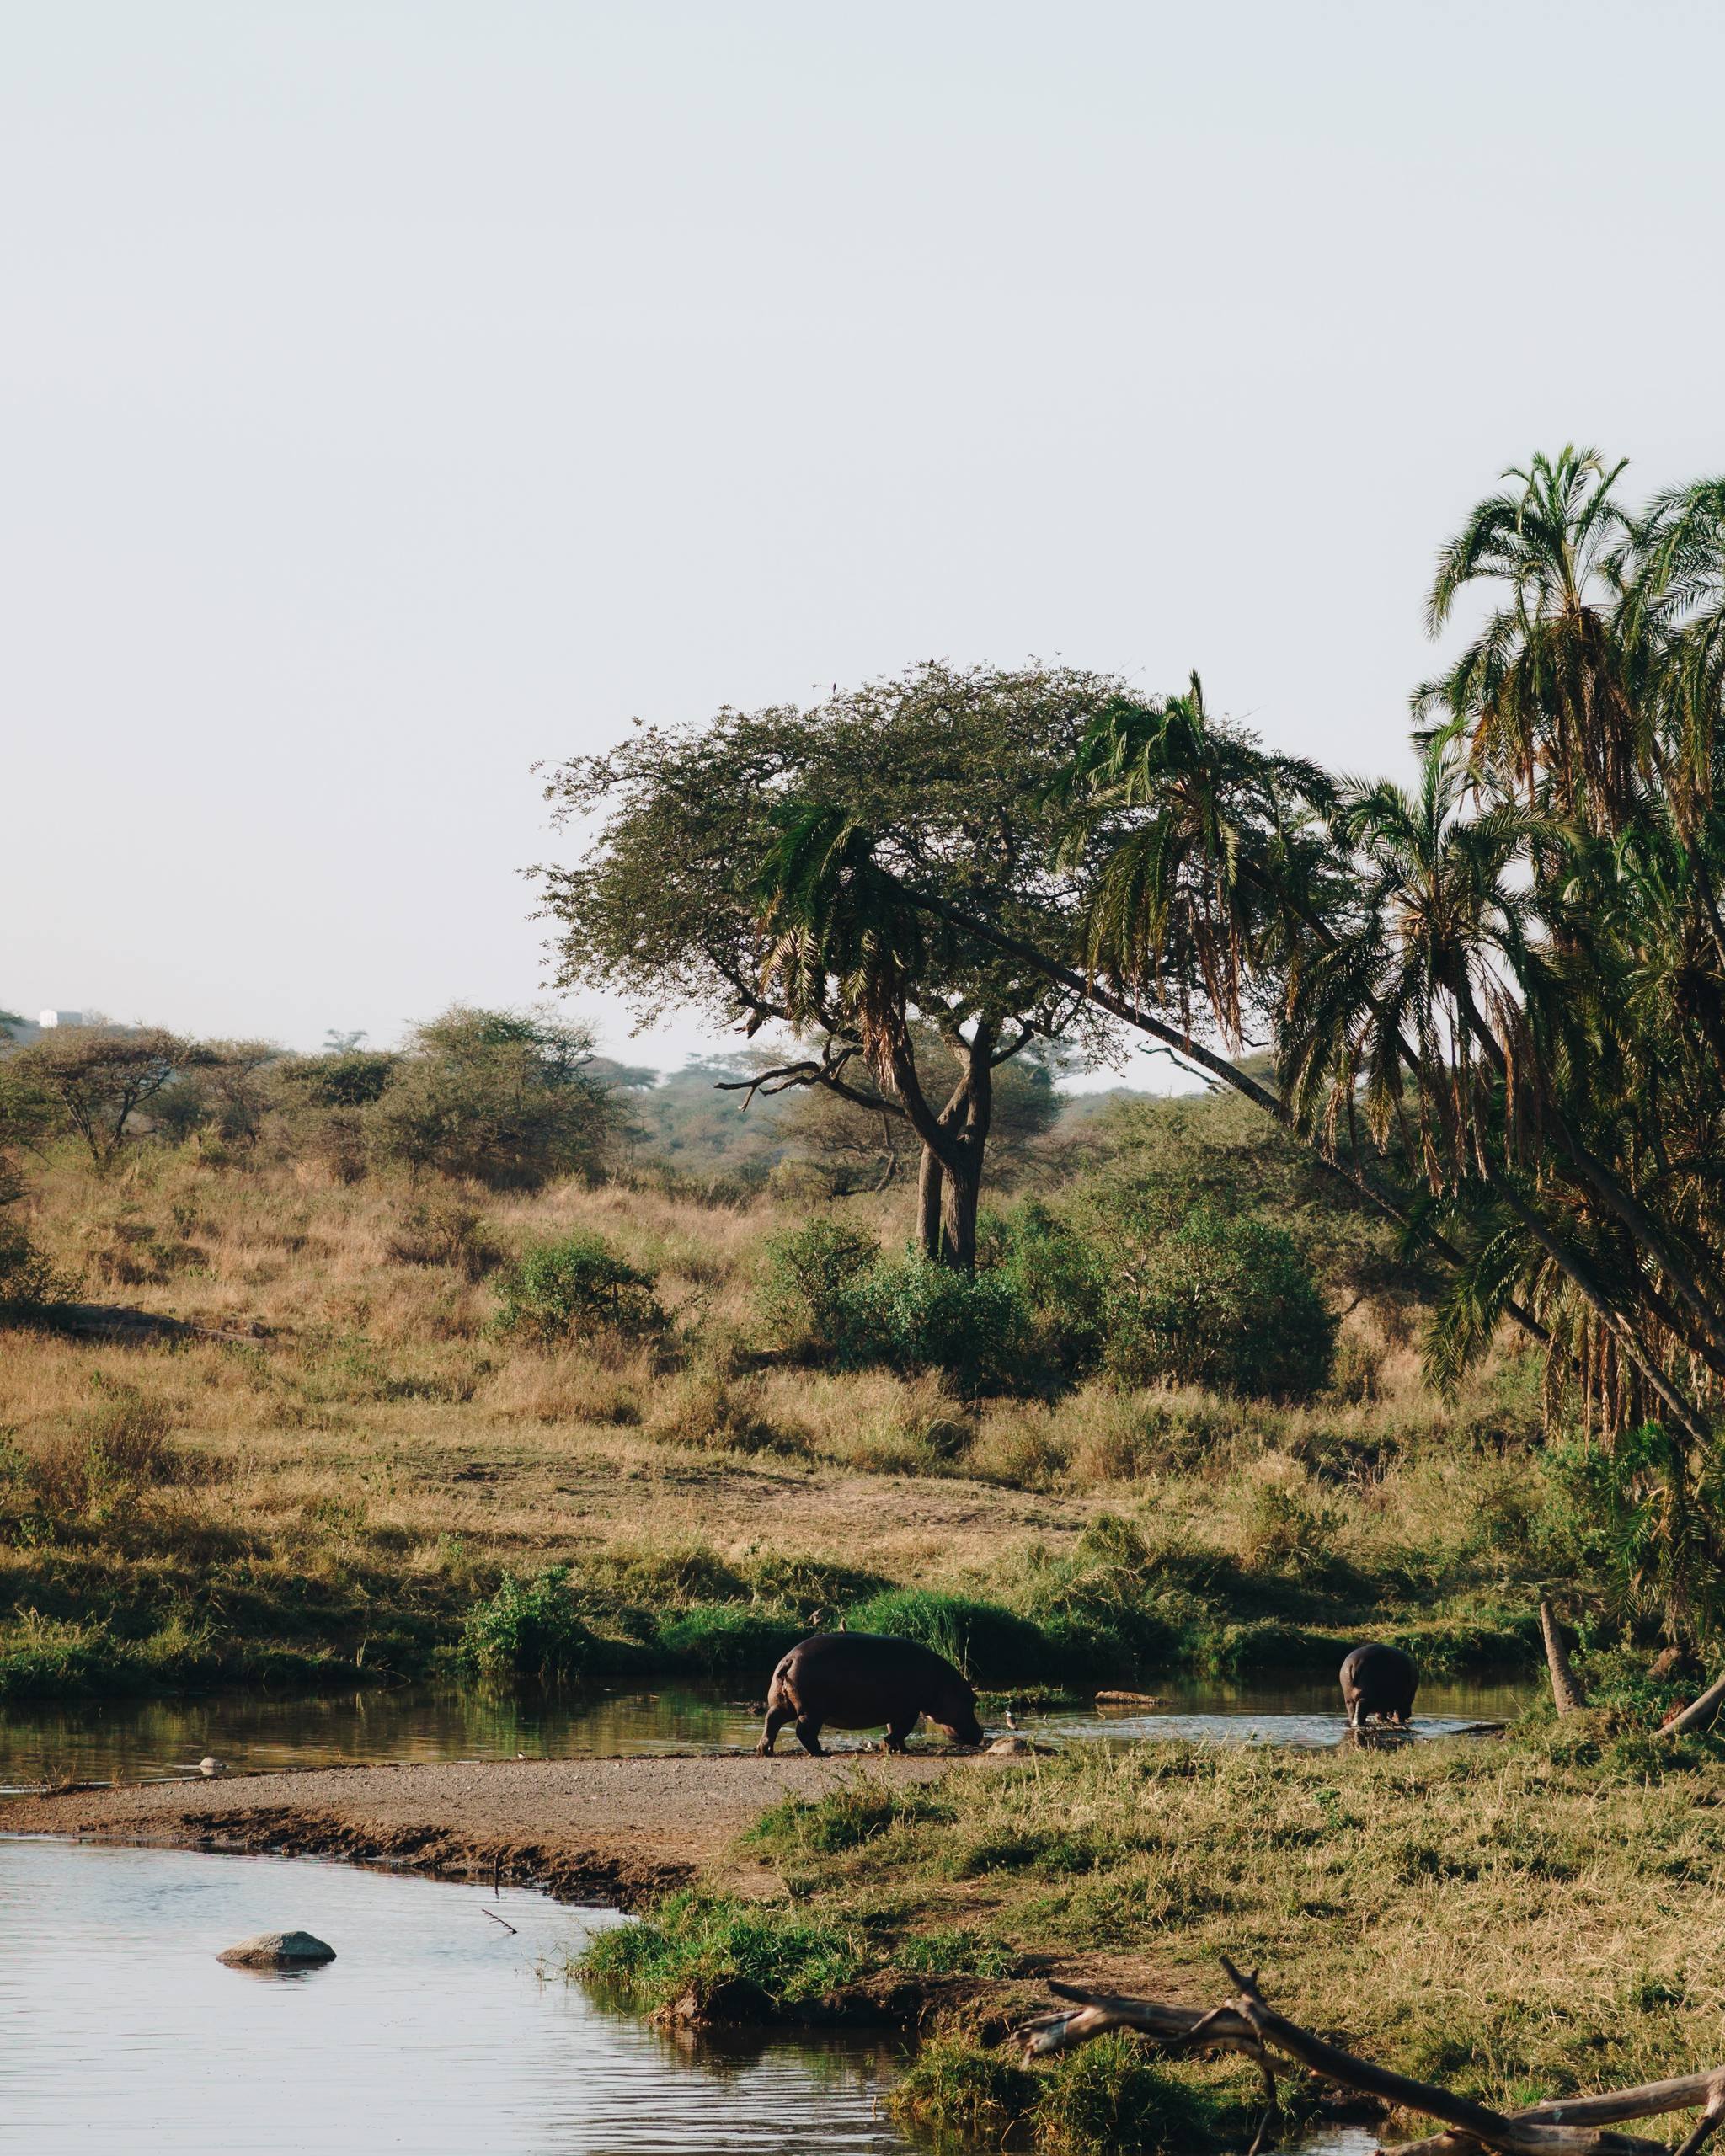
x,y
142,1739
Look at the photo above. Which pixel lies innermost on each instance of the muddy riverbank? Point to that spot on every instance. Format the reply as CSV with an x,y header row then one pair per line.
x,y
610,1831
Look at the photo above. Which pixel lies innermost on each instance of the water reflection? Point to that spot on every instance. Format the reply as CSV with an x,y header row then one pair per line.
x,y
1307,1715
131,1740
433,2031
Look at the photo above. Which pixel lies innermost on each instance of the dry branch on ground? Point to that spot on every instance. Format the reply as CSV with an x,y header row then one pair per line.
x,y
1245,2024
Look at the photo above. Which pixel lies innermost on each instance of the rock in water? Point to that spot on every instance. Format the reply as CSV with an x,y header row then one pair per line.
x,y
211,1765
278,1949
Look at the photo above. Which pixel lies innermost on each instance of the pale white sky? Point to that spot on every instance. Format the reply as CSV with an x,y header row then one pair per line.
x,y
397,392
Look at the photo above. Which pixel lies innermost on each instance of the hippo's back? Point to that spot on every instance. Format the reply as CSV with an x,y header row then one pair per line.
x,y
1381,1677
856,1679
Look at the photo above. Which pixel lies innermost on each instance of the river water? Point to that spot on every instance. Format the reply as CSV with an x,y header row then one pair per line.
x,y
132,1739
434,2029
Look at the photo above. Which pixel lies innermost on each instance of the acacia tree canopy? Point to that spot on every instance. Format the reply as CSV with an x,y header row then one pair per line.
x,y
950,768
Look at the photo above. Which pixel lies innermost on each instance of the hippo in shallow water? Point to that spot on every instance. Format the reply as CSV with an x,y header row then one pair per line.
x,y
1381,1681
859,1680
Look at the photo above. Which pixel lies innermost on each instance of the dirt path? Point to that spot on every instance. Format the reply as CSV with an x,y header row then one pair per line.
x,y
616,1831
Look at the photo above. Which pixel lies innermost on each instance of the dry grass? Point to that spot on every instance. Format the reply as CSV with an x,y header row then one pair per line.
x,y
1520,1920
377,1453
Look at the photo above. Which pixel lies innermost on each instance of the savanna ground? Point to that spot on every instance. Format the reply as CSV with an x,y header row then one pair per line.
x,y
1518,1920
339,1481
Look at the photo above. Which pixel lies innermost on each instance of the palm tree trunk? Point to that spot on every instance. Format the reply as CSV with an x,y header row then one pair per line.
x,y
1567,1694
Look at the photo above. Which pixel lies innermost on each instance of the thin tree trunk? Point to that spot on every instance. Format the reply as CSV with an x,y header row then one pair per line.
x,y
930,1185
1565,1691
961,1193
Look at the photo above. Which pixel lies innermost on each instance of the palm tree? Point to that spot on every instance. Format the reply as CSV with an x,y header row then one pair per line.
x,y
1540,692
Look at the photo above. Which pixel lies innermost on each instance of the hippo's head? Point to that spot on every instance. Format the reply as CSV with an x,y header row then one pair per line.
x,y
962,1726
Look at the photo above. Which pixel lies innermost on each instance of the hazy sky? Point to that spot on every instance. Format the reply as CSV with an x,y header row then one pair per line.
x,y
396,394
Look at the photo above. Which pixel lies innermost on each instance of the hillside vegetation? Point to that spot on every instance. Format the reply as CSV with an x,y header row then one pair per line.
x,y
590,1429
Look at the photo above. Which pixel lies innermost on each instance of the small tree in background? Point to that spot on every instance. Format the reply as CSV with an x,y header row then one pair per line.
x,y
227,1093
507,1098
98,1080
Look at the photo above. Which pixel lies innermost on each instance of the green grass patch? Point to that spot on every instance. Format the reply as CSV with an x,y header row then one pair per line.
x,y
715,1947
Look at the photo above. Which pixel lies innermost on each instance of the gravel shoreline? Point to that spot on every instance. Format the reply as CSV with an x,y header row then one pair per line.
x,y
612,1831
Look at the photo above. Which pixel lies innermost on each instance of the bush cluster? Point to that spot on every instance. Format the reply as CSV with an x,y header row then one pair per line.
x,y
528,1628
1226,1301
575,1289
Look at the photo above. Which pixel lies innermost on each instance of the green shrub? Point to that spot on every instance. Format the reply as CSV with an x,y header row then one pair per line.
x,y
1227,1301
828,1294
974,1326
1109,2096
576,1288
28,1281
529,1628
1061,1279
950,2088
754,1958
723,1636
808,1296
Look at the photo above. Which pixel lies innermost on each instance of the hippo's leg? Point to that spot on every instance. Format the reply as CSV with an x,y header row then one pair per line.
x,y
777,1714
897,1731
809,1735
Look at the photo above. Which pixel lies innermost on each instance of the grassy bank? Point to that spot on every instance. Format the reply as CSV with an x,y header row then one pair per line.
x,y
349,1480
1518,1920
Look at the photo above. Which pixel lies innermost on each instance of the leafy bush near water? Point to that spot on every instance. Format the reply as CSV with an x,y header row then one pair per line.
x,y
698,1943
1110,2095
529,1628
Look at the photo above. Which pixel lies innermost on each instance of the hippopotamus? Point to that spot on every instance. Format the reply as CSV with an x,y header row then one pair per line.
x,y
1378,1680
857,1680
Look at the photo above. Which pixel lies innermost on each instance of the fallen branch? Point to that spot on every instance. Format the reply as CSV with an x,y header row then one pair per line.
x,y
1697,1713
1573,2126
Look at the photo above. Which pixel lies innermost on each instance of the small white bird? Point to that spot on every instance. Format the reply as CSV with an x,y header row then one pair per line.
x,y
210,1764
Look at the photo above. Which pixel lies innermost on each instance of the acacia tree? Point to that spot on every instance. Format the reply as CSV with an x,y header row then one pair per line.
x,y
509,1098
951,768
99,1077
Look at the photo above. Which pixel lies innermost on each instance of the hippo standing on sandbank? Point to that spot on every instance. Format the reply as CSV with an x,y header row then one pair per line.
x,y
859,1680
1378,1681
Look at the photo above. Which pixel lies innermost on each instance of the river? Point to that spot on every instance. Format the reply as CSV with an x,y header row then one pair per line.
x,y
435,2029
136,1740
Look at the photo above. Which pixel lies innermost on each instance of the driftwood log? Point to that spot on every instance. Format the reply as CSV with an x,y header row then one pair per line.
x,y
1578,2125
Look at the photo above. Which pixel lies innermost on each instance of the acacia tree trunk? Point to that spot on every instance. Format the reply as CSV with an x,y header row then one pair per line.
x,y
962,1190
931,1179
954,1139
